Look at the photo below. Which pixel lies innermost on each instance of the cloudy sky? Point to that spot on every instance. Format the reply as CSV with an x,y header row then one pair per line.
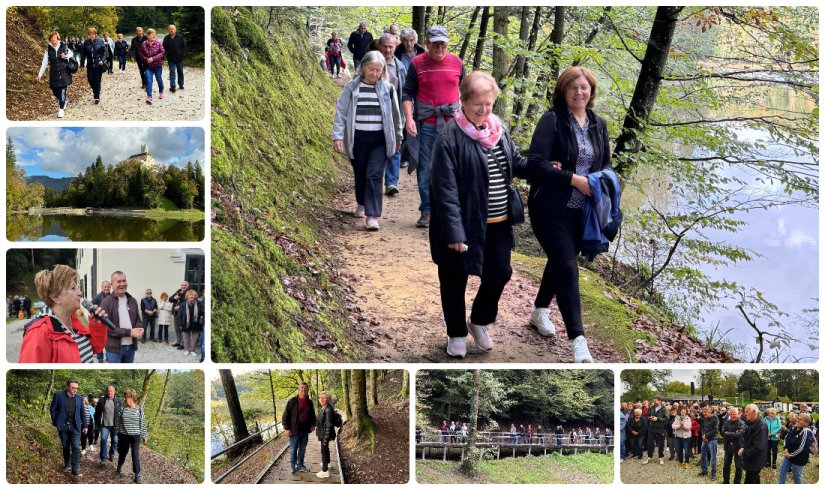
x,y
65,152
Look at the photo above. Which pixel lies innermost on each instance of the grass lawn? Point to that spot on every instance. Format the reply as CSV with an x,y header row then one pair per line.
x,y
553,468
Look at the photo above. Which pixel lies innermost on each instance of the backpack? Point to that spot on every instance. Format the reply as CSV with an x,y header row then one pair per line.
x,y
337,420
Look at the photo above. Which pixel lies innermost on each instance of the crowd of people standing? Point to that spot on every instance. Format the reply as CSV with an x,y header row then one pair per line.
x,y
416,107
456,432
750,438
98,54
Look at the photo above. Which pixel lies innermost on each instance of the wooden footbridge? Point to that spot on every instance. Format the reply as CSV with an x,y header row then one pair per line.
x,y
504,444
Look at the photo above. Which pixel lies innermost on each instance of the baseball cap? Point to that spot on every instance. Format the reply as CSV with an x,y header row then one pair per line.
x,y
437,34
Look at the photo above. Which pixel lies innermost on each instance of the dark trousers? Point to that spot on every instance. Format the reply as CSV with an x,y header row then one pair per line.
x,y
149,325
178,334
671,446
560,236
370,154
70,440
88,438
731,456
163,333
637,444
752,477
121,62
657,440
773,452
126,442
324,455
496,272
61,93
94,74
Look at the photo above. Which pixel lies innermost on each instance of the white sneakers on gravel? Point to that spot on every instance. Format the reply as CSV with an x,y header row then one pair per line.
x,y
457,346
540,318
580,351
479,333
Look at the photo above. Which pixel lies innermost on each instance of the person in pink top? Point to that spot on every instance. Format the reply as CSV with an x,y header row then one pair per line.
x,y
152,54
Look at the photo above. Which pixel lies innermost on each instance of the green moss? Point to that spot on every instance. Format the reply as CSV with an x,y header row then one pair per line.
x,y
606,317
223,31
270,145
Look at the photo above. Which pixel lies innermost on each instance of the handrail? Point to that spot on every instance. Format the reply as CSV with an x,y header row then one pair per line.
x,y
246,439
506,438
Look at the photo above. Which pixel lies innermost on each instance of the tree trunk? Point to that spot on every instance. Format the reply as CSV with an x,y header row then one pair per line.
x,y
466,42
554,52
239,428
468,466
427,20
648,83
274,400
163,394
482,36
418,22
501,59
49,391
147,378
405,384
345,391
364,425
518,104
374,387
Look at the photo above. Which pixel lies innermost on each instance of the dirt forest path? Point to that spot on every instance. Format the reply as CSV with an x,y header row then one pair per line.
x,y
395,287
122,99
147,352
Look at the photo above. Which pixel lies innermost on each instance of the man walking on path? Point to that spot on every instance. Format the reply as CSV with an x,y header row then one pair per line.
x,y
298,421
175,46
396,74
106,412
134,50
359,43
68,417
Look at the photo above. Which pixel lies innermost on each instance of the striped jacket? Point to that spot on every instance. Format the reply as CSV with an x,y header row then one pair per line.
x,y
131,422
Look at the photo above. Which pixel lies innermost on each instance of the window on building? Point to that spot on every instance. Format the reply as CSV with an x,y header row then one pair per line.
x,y
196,272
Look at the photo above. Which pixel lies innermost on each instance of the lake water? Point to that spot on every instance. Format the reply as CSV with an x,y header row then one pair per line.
x,y
23,227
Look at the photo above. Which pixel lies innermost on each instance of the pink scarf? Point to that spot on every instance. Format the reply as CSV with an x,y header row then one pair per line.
x,y
488,136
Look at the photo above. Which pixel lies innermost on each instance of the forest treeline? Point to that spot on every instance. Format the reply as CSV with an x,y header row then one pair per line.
x,y
127,184
172,401
539,397
798,385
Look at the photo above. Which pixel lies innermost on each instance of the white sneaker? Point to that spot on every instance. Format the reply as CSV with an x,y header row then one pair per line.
x,y
83,452
479,333
91,448
540,318
61,113
359,212
185,353
372,223
322,474
457,346
580,351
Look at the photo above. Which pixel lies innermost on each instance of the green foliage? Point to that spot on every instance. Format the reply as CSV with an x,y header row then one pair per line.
x,y
636,384
751,383
20,196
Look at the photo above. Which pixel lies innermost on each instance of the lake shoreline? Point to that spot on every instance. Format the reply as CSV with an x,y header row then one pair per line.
x,y
184,215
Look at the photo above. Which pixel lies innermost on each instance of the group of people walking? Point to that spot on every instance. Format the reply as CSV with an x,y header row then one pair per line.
x,y
420,106
80,420
750,439
300,419
97,55
115,326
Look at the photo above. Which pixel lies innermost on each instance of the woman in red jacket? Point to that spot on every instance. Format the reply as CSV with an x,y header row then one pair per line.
x,y
57,335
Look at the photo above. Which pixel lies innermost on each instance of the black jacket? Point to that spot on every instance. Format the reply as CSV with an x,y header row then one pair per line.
x,y
175,48
633,425
755,443
134,48
325,424
93,52
659,426
59,76
121,48
101,402
195,324
289,420
458,194
798,443
359,44
555,140
733,433
400,49
709,427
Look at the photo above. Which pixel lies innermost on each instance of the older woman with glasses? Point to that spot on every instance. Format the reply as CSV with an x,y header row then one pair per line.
x,y
56,335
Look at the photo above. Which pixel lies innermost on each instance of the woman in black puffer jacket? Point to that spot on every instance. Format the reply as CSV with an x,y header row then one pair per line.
x,y
56,58
325,430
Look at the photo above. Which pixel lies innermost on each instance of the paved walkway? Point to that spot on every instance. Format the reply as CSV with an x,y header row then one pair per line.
x,y
280,471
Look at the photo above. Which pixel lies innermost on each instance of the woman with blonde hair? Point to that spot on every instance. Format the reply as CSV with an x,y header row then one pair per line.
x,y
56,335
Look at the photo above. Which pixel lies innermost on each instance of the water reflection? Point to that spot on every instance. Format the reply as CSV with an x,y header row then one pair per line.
x,y
21,227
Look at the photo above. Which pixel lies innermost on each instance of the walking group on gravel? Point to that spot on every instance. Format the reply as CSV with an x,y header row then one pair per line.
x,y
751,440
419,106
80,420
97,55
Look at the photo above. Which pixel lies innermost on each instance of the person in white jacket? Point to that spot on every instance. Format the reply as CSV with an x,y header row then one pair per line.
x,y
165,317
682,432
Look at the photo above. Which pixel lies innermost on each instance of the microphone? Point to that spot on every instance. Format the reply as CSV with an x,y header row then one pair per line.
x,y
89,306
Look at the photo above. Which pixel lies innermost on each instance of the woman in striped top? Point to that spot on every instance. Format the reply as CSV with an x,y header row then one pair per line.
x,y
131,428
56,335
473,163
367,128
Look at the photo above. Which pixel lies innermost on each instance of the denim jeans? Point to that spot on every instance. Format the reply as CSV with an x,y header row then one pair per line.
x,y
61,94
682,449
795,469
297,447
106,432
426,137
157,73
393,170
70,440
121,62
126,355
623,447
175,68
709,451
149,326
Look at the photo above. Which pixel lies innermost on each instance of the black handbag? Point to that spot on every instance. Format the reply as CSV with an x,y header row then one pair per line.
x,y
515,207
71,64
